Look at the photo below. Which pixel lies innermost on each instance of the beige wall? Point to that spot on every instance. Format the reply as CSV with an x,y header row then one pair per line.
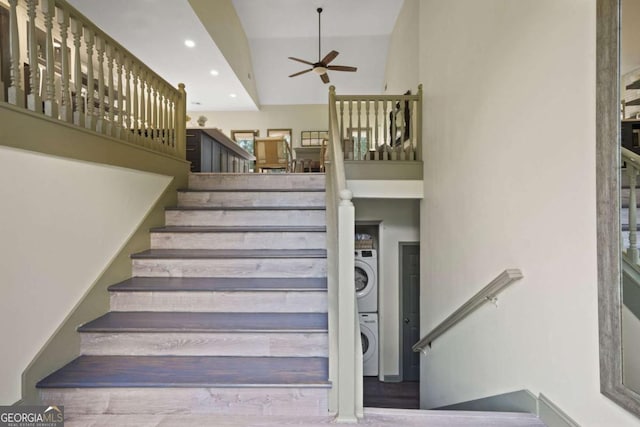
x,y
62,223
399,222
295,117
510,183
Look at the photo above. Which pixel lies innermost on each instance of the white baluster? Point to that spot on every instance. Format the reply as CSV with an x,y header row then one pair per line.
x,y
66,105
403,125
165,121
15,92
143,107
120,120
34,102
78,113
149,111
633,222
136,101
376,131
90,122
418,124
350,134
385,155
341,142
358,153
100,122
368,132
50,104
128,119
154,104
111,124
172,122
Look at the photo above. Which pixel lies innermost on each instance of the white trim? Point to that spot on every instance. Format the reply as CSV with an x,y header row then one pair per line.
x,y
386,189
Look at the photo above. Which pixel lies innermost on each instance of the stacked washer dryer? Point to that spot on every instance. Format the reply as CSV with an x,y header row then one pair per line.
x,y
366,284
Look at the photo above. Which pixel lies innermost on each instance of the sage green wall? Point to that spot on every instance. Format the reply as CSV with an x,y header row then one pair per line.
x,y
69,225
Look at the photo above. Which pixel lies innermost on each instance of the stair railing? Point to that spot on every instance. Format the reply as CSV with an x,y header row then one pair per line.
x,y
61,65
630,173
487,294
380,127
345,362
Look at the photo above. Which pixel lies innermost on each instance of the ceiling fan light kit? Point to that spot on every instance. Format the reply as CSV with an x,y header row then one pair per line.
x,y
322,66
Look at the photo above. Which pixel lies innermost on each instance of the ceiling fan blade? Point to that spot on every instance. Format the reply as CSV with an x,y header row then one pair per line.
x,y
301,60
325,78
301,72
330,57
342,68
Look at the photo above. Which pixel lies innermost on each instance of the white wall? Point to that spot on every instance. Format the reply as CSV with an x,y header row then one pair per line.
x,y
401,72
630,36
509,126
62,222
631,349
295,117
400,222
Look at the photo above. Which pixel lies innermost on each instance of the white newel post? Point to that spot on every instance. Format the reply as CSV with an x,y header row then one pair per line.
x,y
347,382
181,122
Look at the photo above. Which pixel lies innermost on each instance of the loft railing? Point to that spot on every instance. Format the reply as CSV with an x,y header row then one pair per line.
x,y
380,127
62,66
630,228
487,294
345,362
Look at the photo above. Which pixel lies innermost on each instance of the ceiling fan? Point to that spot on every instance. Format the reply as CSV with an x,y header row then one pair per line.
x,y
322,66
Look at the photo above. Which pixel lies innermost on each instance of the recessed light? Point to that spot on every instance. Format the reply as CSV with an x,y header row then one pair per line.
x,y
233,95
189,43
214,72
197,103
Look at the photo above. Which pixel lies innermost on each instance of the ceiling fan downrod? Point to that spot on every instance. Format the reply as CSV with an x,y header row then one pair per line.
x,y
319,10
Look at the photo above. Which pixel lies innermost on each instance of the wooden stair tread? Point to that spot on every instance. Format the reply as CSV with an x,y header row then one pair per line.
x,y
239,229
189,371
229,253
205,284
120,321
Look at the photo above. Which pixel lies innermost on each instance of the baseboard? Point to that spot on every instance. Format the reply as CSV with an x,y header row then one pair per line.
x,y
518,401
392,379
552,415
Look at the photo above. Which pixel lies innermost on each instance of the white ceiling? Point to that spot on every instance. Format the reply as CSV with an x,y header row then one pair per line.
x,y
155,30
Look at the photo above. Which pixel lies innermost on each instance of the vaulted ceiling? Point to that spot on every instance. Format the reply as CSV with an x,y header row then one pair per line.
x,y
269,30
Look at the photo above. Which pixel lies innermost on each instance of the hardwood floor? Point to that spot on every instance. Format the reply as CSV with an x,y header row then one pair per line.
x,y
404,395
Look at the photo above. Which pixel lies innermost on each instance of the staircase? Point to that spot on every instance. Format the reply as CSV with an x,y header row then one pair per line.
x,y
226,314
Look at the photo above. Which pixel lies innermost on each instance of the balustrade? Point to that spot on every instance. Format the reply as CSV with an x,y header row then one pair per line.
x,y
380,127
630,174
65,78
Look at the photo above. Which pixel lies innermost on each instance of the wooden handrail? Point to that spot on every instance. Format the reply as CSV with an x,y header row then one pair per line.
x,y
488,293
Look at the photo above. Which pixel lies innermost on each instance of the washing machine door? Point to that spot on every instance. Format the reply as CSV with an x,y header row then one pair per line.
x,y
368,342
364,278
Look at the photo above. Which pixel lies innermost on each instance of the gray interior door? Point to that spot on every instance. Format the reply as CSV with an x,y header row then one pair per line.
x,y
410,254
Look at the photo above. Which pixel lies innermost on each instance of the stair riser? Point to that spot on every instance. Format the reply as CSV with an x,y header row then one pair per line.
x,y
303,401
264,267
224,302
205,344
242,240
250,217
250,199
255,181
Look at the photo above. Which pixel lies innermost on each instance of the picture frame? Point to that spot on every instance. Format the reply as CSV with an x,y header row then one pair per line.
x,y
313,137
